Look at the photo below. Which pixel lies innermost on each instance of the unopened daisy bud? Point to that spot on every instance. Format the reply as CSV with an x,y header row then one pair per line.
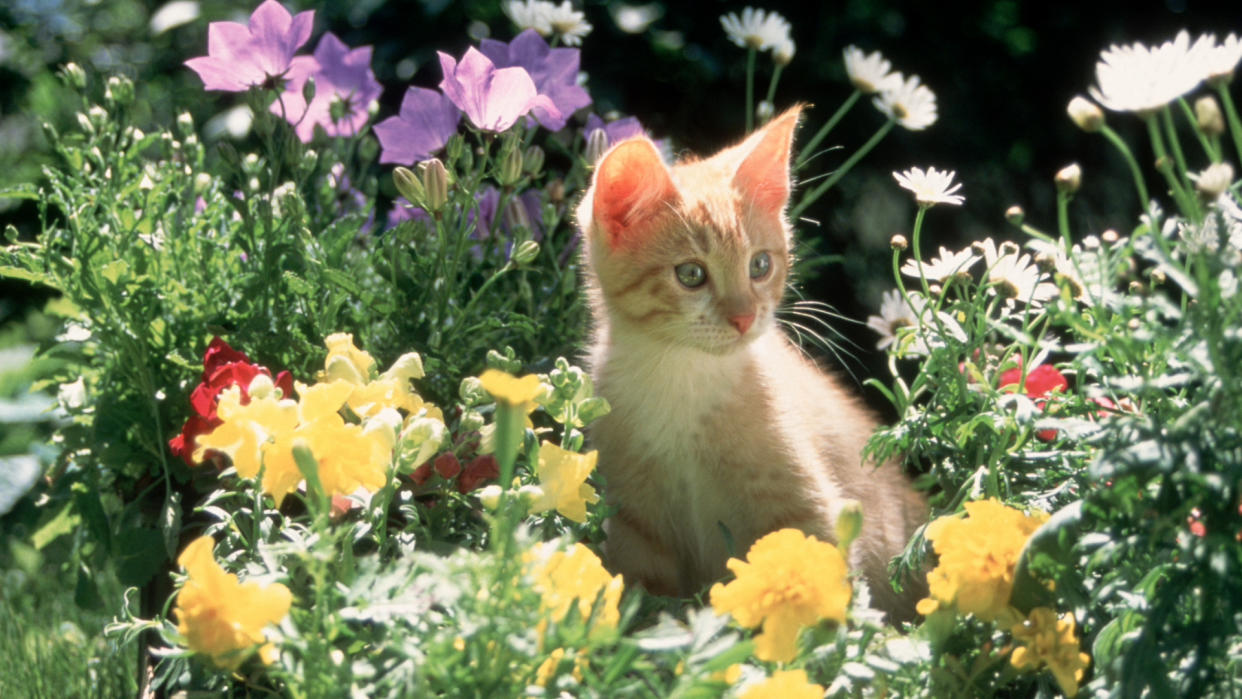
x,y
1214,180
185,124
597,145
73,75
119,90
1158,276
201,182
1134,324
1110,236
1069,178
935,289
98,116
310,159
1207,113
898,242
556,191
489,496
1015,215
435,184
764,111
510,166
783,51
532,160
408,185
849,524
1086,114
261,386
1091,242
1136,287
526,252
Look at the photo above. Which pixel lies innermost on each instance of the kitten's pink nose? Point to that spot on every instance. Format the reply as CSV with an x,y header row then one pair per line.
x,y
742,322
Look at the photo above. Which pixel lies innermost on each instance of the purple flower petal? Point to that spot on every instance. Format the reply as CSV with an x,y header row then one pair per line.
x,y
426,121
493,99
239,57
342,77
554,72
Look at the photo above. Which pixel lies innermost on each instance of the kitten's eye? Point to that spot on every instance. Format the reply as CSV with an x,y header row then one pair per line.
x,y
691,274
760,265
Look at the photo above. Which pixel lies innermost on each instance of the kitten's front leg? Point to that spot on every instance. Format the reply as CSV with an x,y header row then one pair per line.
x,y
637,550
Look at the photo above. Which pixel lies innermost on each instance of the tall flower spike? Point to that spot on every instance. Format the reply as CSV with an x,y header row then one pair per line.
x,y
240,57
911,104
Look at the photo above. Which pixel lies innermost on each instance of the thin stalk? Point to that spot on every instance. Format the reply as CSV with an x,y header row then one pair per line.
x,y
1175,144
776,76
808,150
1063,216
1126,153
837,174
1231,115
1210,148
750,88
1184,202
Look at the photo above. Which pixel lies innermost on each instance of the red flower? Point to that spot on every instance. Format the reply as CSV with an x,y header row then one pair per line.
x,y
480,470
1040,381
223,367
447,465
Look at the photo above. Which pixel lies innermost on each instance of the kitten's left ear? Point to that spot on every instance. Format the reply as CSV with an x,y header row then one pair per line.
x,y
764,174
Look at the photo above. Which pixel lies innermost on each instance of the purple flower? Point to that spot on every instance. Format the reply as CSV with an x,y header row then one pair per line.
x,y
403,210
239,57
345,87
426,121
492,98
617,130
527,205
555,72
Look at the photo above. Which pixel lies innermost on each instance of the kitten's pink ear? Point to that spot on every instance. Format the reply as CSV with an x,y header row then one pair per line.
x,y
764,175
632,190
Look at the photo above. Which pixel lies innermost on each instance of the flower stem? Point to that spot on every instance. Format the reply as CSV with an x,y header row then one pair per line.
x,y
1231,114
837,174
750,88
1120,144
1063,217
1165,166
1175,145
807,151
776,77
1211,149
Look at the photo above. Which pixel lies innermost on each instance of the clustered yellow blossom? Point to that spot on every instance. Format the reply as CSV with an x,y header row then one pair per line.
x,y
261,435
1048,640
221,617
562,477
575,576
510,390
547,669
788,581
784,684
978,554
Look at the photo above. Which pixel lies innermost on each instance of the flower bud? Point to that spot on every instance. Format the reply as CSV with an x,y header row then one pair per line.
x,y
516,215
1110,236
764,111
510,166
526,252
1015,215
783,52
408,185
1086,114
1207,113
85,124
73,75
849,524
471,391
597,145
435,184
1214,180
529,494
119,90
471,421
98,116
407,366
1136,287
1158,276
898,242
592,409
185,124
261,386
308,89
1069,178
533,160
556,191
455,147
489,496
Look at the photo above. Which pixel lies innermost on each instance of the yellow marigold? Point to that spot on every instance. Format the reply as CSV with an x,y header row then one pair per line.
x,y
978,554
788,581
1048,640
506,388
221,617
562,476
245,429
784,684
575,576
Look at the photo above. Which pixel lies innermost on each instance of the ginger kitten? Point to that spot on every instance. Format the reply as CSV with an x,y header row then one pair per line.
x,y
718,422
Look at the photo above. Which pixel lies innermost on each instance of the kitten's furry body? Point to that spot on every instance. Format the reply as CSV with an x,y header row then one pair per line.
x,y
718,422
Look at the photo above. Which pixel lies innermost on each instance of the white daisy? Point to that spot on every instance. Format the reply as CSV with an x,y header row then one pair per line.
x,y
869,72
911,104
894,314
931,187
569,23
1221,59
948,264
1139,79
531,14
1013,276
756,29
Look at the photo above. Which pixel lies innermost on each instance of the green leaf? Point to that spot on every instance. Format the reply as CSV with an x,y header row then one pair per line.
x,y
115,270
1052,544
61,523
89,506
140,553
21,191
26,275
